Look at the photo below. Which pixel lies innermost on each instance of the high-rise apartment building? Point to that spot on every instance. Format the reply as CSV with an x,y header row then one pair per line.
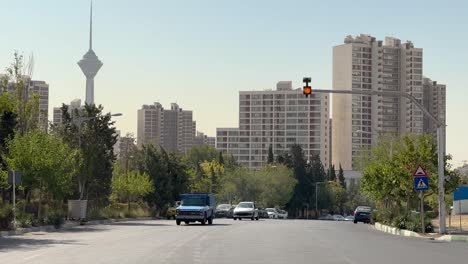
x,y
173,129
364,63
58,115
202,139
35,88
280,118
150,124
435,102
179,130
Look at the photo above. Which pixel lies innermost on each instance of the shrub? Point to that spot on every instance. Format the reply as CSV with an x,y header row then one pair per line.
x,y
55,217
6,216
24,219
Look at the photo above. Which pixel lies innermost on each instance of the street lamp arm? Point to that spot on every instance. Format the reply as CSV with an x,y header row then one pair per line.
x,y
385,93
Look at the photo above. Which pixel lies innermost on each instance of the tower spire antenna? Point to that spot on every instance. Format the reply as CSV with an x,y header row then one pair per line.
x,y
91,26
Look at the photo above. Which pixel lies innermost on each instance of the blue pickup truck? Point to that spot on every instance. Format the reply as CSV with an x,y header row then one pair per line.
x,y
196,207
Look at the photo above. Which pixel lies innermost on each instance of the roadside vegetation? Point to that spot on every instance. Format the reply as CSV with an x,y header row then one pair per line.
x,y
388,180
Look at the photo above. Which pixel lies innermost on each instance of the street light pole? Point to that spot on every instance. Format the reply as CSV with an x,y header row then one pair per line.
x,y
441,169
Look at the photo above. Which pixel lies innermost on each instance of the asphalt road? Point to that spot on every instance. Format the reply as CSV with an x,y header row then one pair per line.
x,y
227,241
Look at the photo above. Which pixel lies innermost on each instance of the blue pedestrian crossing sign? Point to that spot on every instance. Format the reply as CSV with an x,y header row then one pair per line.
x,y
421,179
421,183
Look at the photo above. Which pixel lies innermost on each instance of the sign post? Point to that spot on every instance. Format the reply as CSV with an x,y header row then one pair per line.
x,y
421,184
14,177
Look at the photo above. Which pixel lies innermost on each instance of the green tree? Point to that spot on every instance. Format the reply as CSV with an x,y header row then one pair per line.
x,y
168,172
131,186
221,158
271,157
388,180
46,162
199,154
26,106
92,132
304,189
278,184
211,177
341,177
331,174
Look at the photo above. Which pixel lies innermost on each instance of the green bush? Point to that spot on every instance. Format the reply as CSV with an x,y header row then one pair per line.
x,y
6,216
24,219
55,217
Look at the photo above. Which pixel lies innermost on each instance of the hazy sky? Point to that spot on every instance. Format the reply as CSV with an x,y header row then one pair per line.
x,y
200,53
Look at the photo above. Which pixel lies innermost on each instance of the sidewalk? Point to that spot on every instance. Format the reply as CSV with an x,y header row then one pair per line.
x,y
430,236
66,225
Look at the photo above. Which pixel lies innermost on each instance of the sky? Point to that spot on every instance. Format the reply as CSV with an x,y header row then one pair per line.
x,y
201,53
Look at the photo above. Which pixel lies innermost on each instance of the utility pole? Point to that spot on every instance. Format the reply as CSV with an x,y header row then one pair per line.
x,y
440,140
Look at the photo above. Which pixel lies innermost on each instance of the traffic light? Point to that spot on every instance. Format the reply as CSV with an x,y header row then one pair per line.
x,y
307,89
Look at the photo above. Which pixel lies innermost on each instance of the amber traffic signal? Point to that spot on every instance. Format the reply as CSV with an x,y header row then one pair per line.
x,y
307,90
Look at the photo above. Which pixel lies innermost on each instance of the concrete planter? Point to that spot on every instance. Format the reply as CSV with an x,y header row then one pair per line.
x,y
395,231
77,209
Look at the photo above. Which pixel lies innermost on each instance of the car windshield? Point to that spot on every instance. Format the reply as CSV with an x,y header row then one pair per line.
x,y
271,210
245,205
193,201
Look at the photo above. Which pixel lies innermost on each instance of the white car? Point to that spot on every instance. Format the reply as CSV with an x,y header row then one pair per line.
x,y
272,213
282,214
338,217
245,210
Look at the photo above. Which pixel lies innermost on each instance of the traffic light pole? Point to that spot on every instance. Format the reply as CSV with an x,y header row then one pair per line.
x,y
440,140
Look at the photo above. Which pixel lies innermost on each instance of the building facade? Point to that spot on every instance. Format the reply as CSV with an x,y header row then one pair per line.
x,y
173,129
150,124
35,88
364,63
58,115
435,102
202,139
280,118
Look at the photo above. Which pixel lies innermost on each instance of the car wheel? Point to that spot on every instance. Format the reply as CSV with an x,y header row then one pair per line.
x,y
240,218
256,218
177,222
203,221
210,220
235,218
355,221
187,222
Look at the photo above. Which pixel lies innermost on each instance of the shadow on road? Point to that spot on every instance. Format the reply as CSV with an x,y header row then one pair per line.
x,y
197,224
136,224
81,229
20,243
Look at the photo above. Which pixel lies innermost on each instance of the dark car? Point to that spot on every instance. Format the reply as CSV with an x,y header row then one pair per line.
x,y
262,213
362,214
223,210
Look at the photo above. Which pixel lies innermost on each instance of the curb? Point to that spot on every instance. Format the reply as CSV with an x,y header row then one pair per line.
x,y
453,238
395,231
66,226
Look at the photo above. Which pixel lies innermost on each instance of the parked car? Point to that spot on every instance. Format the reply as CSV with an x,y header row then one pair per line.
x,y
245,210
262,213
223,210
338,217
196,207
349,218
171,211
326,217
272,213
282,214
362,214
